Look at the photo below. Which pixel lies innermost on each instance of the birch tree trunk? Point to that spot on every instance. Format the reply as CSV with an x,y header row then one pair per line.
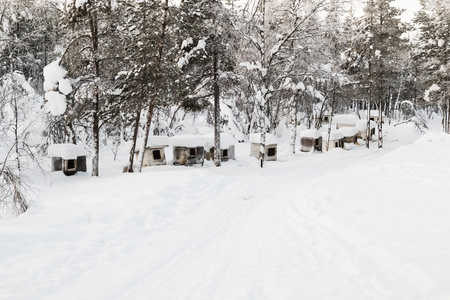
x,y
327,144
447,116
263,105
368,129
96,121
294,111
135,136
380,126
217,152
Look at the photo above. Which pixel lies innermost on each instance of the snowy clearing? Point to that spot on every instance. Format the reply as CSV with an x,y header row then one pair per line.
x,y
357,224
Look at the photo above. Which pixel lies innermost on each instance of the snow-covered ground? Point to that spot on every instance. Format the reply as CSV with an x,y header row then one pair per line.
x,y
357,224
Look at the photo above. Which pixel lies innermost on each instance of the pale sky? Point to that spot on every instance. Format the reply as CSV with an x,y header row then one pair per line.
x,y
411,7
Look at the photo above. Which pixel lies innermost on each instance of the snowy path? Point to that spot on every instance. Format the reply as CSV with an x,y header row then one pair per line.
x,y
306,227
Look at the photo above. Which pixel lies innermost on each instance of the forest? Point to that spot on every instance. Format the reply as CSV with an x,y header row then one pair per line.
x,y
104,72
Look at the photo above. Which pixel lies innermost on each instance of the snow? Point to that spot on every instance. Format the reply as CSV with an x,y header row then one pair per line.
x,y
187,141
308,226
153,141
348,131
66,151
187,42
311,133
345,119
226,140
270,138
362,124
433,88
156,140
53,73
32,136
201,45
334,135
79,3
65,86
56,103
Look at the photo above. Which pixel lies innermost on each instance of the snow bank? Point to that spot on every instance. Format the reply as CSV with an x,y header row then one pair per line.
x,y
242,232
310,133
256,138
334,135
187,141
226,140
66,151
345,119
348,131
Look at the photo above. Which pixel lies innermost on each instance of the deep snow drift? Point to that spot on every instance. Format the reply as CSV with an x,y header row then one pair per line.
x,y
357,224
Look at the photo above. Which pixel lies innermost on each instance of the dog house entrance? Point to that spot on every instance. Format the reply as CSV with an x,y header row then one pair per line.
x,y
71,165
225,153
192,152
271,152
156,154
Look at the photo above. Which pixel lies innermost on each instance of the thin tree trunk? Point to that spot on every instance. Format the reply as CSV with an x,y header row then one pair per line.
x,y
135,136
295,120
217,156
96,133
380,126
148,124
368,129
327,144
447,117
96,122
264,105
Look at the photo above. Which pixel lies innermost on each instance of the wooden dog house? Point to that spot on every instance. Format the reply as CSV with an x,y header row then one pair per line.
x,y
188,150
336,140
154,154
68,158
361,125
271,146
310,139
227,147
350,134
345,120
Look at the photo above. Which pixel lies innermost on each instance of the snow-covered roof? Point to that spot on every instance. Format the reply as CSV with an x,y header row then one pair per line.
x,y
335,135
345,119
157,140
375,113
153,141
226,140
348,131
362,124
187,141
256,138
66,151
310,133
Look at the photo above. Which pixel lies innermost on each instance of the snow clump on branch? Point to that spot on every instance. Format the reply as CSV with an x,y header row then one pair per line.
x,y
56,87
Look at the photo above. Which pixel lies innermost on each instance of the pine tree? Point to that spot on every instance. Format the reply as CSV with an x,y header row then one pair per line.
x,y
92,53
432,55
207,61
373,50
